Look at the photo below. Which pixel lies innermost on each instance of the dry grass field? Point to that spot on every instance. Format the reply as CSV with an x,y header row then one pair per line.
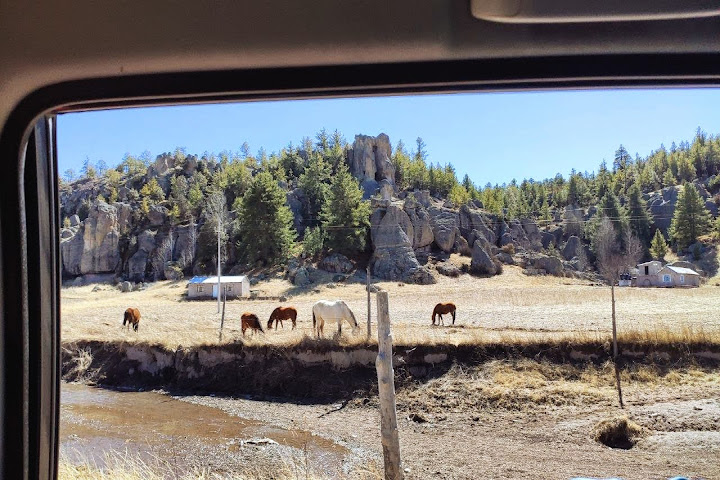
x,y
511,307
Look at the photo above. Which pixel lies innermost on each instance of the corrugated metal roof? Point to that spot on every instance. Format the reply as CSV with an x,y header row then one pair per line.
x,y
223,279
226,279
682,270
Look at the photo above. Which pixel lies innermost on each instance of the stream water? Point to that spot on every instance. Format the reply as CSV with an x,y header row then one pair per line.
x,y
95,422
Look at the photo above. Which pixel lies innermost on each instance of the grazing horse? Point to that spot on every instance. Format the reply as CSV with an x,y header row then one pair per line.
x,y
132,317
441,309
251,321
283,313
337,311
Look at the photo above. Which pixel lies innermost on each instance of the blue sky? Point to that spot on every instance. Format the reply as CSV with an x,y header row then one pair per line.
x,y
492,137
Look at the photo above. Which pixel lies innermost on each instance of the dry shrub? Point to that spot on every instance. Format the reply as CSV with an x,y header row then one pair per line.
x,y
503,384
618,432
123,466
79,364
508,248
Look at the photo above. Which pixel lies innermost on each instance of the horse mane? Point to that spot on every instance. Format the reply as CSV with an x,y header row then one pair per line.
x,y
351,314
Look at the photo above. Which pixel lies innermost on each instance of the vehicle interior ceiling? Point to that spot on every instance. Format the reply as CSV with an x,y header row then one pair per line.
x,y
58,56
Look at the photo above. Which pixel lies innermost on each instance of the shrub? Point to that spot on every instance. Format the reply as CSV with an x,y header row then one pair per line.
x,y
508,248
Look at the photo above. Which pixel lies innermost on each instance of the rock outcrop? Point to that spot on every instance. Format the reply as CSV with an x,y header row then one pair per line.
x,y
482,263
444,226
369,160
393,256
100,240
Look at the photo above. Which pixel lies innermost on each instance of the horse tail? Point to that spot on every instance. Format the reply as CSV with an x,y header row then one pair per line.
x,y
313,319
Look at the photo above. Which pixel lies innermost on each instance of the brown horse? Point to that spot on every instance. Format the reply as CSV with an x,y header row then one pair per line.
x,y
283,313
441,309
251,321
132,317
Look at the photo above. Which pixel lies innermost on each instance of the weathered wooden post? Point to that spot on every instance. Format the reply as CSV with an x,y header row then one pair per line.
x,y
367,278
222,317
615,345
386,392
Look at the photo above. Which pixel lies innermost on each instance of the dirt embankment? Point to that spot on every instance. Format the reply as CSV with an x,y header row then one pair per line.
x,y
322,370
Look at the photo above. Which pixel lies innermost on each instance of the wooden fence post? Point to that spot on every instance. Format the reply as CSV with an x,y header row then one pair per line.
x,y
386,392
367,277
222,318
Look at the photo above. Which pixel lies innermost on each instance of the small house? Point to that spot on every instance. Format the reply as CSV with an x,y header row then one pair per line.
x,y
235,286
654,274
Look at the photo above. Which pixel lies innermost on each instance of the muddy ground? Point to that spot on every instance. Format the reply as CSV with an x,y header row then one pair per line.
x,y
504,419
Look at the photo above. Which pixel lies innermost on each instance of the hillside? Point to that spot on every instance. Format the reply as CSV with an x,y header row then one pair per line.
x,y
353,204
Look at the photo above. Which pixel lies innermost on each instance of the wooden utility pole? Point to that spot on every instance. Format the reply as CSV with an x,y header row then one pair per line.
x,y
367,278
386,392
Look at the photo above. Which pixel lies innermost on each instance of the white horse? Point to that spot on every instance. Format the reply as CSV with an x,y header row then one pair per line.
x,y
337,311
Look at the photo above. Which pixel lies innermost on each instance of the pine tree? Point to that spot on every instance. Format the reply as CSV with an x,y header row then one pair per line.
x,y
264,222
152,191
658,246
669,179
314,182
691,218
639,216
345,216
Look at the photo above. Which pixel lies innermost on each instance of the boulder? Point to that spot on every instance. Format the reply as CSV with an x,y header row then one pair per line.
x,y
336,263
551,265
444,226
481,262
302,277
157,215
126,287
506,258
547,239
74,221
470,219
506,239
572,248
66,233
448,269
461,246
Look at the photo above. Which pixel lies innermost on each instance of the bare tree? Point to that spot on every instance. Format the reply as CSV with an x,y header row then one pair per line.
x,y
187,257
216,211
613,259
163,254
